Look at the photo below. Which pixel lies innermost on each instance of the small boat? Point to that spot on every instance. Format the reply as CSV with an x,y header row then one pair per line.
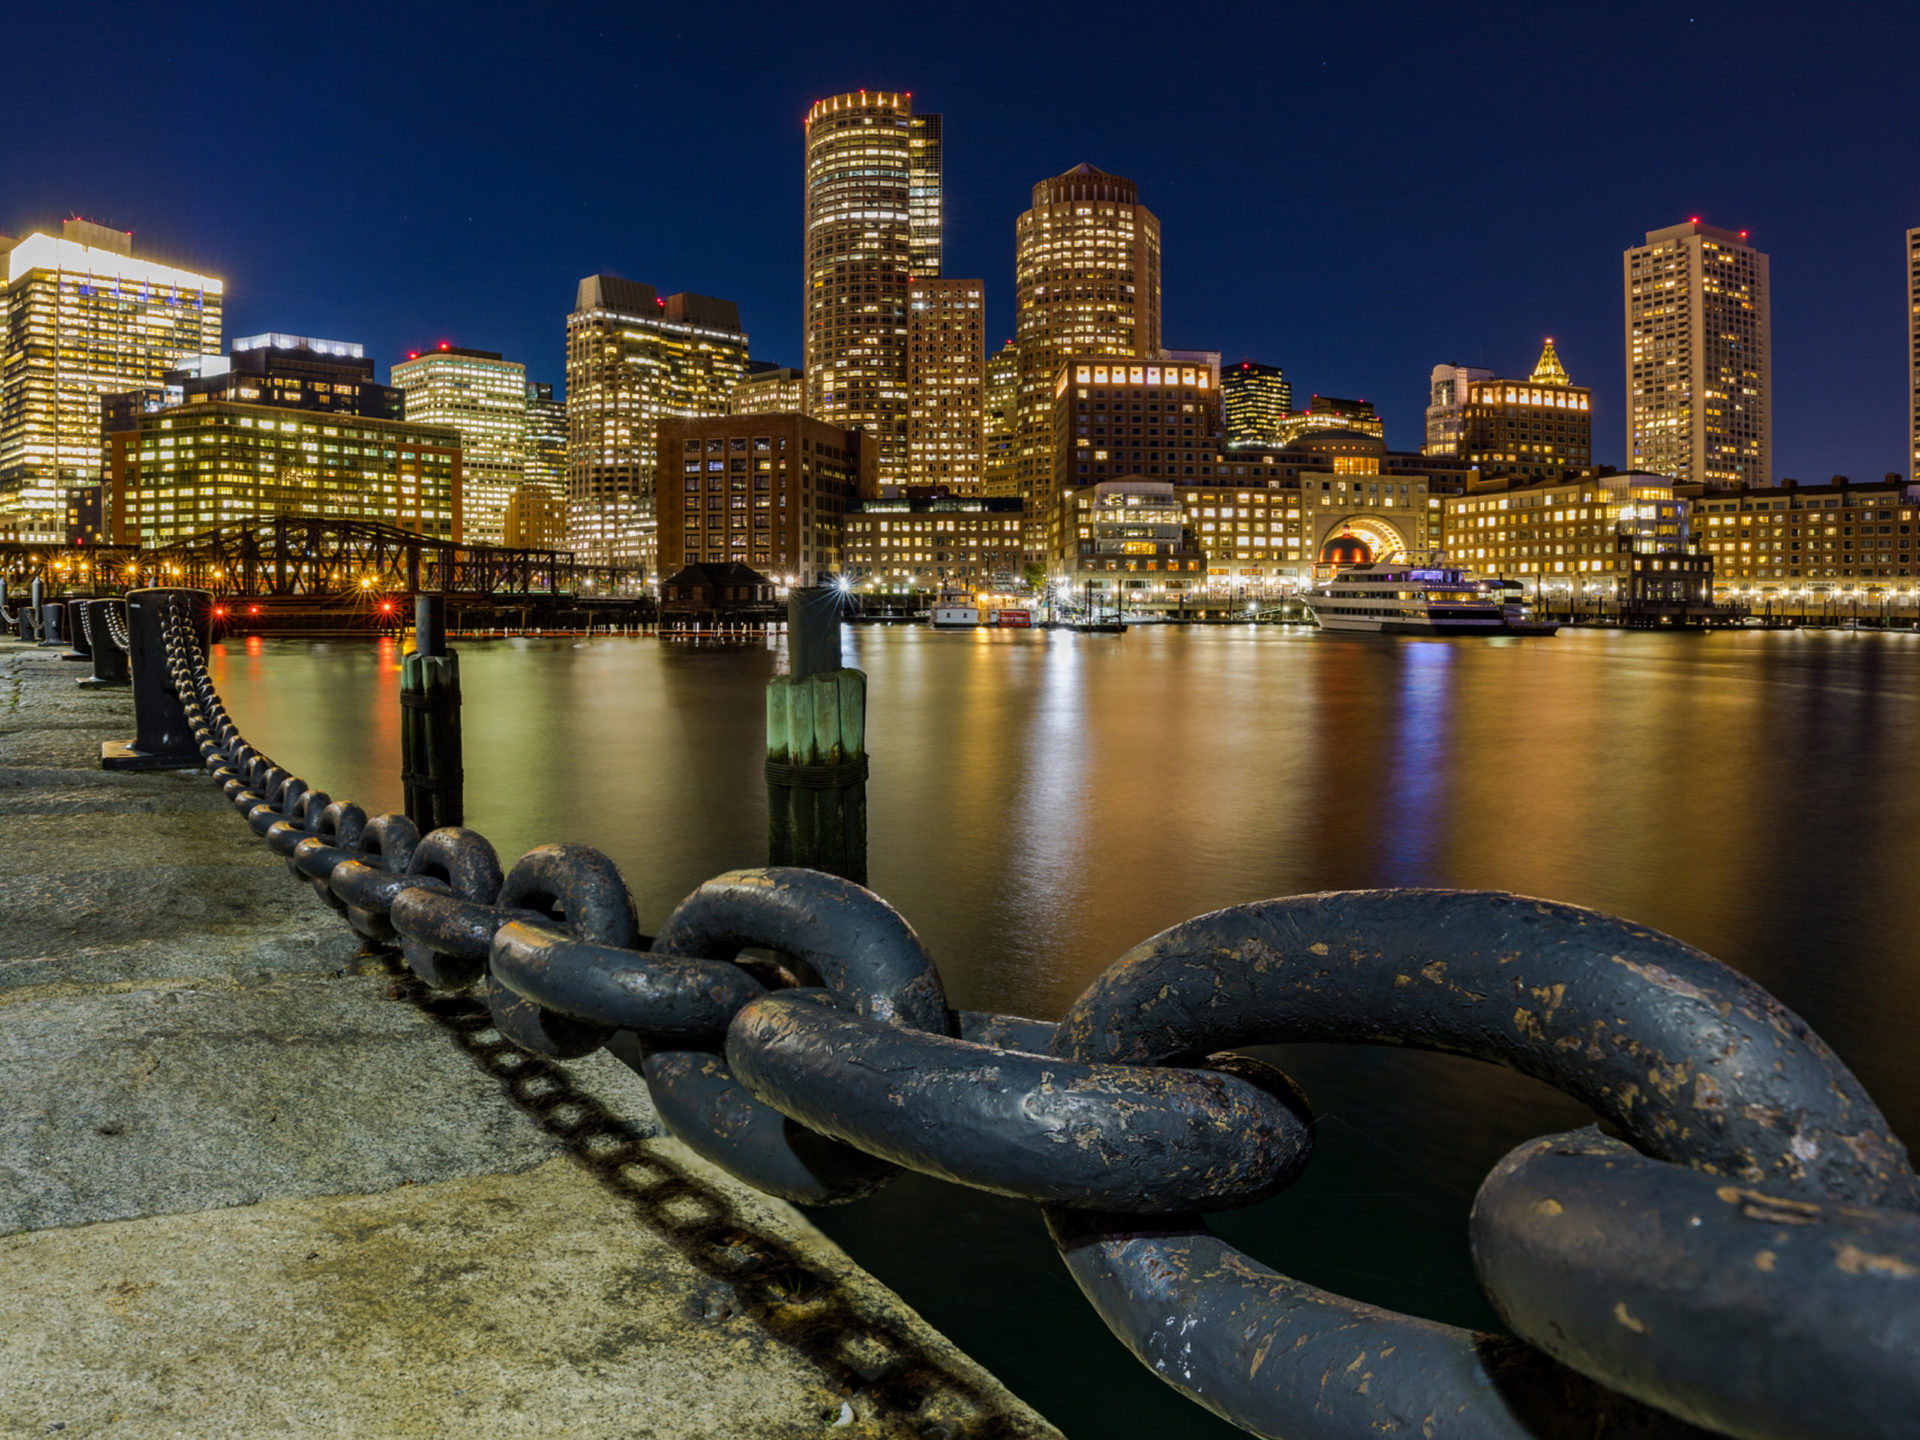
x,y
1397,596
956,611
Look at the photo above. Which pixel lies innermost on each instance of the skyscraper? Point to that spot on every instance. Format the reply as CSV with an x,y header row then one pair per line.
x,y
545,458
1913,353
85,318
946,384
484,398
1256,398
1699,372
770,389
1002,408
1087,278
873,215
632,358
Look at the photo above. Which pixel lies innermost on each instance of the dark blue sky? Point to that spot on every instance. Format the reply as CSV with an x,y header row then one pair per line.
x,y
1355,192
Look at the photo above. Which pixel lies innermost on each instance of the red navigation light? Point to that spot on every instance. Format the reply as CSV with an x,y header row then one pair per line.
x,y
1743,234
253,609
387,605
443,344
219,612
413,354
1693,219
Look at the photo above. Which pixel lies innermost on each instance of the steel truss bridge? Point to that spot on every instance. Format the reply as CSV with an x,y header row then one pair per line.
x,y
288,557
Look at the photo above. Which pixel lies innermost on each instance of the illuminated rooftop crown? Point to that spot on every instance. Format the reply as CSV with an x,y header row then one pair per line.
x,y
1550,371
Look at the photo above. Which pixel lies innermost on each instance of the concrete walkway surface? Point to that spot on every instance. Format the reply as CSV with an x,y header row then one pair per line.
x,y
255,1180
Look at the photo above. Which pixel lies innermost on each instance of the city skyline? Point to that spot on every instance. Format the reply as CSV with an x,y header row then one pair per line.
x,y
1302,270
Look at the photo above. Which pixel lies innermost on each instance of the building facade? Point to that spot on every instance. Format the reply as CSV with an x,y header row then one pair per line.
x,y
85,318
930,540
300,372
873,216
1813,539
1913,352
1254,399
1578,539
484,398
946,384
1087,282
769,491
634,359
1114,416
544,461
1328,412
1000,422
1124,545
1699,368
193,467
770,390
1541,427
536,518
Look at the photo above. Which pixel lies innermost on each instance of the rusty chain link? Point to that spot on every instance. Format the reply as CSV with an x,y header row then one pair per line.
x,y
1744,1257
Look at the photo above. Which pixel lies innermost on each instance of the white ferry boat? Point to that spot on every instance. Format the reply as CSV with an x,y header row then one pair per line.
x,y
1401,597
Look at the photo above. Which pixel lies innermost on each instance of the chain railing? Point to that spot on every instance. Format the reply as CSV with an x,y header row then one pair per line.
x,y
1736,1246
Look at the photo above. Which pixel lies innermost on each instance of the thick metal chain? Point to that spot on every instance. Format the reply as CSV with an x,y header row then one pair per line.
x,y
117,625
1746,1258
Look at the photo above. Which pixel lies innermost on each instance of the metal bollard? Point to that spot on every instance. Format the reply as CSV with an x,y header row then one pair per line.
x,y
79,643
109,660
162,739
53,616
816,746
431,777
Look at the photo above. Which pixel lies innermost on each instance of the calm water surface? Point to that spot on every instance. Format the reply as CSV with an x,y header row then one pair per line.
x,y
1041,802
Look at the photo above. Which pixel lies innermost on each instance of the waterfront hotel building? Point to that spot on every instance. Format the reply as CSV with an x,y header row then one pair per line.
x,y
1540,427
1798,540
85,318
932,540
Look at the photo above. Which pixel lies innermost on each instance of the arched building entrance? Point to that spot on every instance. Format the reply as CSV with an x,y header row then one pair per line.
x,y
1356,539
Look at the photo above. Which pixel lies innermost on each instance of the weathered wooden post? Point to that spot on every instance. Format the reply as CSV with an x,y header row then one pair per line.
x,y
430,773
816,746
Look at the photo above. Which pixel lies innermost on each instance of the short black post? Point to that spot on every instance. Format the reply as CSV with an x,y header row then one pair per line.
x,y
430,772
53,630
27,618
109,660
79,644
816,746
162,740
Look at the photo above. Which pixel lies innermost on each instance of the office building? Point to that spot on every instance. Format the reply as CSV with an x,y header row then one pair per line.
x,y
484,398
1581,539
633,359
769,491
1699,373
1254,399
85,318
1913,352
1087,282
770,390
946,384
873,215
536,518
192,467
1327,412
544,461
300,372
933,540
1540,427
999,428
1810,540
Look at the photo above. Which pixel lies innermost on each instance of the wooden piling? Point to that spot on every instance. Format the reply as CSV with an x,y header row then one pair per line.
x,y
816,746
430,770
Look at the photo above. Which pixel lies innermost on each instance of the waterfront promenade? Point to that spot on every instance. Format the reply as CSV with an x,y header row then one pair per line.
x,y
255,1179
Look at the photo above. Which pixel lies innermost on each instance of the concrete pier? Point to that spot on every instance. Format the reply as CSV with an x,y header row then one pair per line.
x,y
256,1180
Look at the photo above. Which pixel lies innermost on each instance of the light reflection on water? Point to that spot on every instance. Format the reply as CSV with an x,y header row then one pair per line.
x,y
1042,801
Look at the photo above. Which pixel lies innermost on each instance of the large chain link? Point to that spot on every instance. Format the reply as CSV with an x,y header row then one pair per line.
x,y
1746,1257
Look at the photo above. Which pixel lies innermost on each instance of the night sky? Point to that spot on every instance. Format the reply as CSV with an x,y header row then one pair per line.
x,y
1355,192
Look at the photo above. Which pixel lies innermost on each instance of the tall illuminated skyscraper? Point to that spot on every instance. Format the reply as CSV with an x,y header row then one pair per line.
x,y
633,357
1913,354
1256,398
85,318
873,218
484,398
946,384
1699,367
1087,277
545,459
1002,407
